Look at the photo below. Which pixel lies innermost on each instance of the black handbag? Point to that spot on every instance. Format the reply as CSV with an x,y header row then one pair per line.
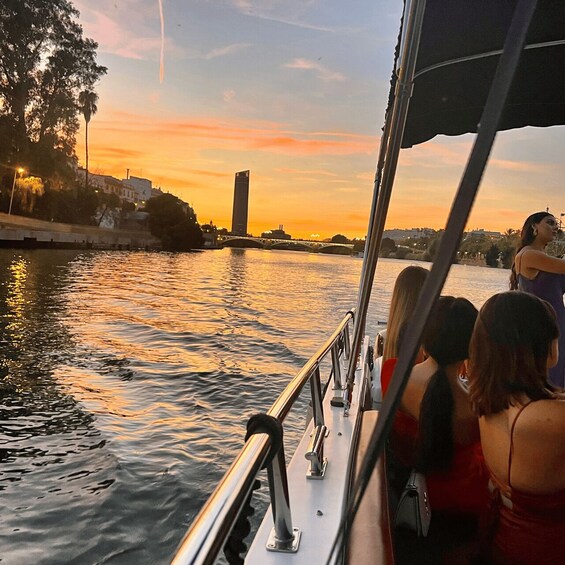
x,y
413,509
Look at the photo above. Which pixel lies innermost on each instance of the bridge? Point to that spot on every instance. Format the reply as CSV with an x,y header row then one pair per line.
x,y
269,243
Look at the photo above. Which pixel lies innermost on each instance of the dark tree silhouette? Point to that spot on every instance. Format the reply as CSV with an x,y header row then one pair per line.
x,y
45,63
174,223
339,238
87,101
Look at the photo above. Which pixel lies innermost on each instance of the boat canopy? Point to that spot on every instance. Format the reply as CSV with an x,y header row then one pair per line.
x,y
460,46
439,40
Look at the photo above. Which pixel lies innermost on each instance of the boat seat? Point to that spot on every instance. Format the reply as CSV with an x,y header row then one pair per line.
x,y
371,537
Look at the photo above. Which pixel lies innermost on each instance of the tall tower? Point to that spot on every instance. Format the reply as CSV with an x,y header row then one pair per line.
x,y
240,203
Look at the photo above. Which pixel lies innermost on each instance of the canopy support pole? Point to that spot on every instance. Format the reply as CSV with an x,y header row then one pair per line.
x,y
388,154
461,208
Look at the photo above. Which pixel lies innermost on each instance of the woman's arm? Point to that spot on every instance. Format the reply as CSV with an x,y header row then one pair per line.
x,y
540,261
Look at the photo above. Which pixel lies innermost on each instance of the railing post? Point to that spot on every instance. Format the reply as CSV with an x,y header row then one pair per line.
x,y
346,342
337,399
336,366
284,537
316,389
315,452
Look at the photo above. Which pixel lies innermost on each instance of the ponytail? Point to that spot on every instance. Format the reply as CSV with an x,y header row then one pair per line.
x,y
513,273
435,447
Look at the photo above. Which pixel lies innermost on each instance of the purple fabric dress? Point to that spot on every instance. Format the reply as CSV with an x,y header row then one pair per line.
x,y
551,287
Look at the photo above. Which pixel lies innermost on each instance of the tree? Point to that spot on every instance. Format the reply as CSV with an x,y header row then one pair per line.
x,y
508,245
359,245
87,100
174,223
492,255
387,247
45,63
28,190
430,253
339,238
75,205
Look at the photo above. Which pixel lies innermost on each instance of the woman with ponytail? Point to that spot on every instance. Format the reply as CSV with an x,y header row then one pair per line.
x,y
445,435
534,271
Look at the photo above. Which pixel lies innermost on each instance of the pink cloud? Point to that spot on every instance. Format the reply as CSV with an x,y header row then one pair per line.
x,y
322,72
227,50
126,33
229,95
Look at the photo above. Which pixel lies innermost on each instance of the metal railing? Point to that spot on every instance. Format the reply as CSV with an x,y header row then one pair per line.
x,y
211,528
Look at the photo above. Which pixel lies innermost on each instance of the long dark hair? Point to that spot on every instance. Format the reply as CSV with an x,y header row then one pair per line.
x,y
509,350
446,339
527,237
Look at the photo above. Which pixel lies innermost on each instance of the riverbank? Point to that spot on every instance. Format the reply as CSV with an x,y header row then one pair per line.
x,y
30,233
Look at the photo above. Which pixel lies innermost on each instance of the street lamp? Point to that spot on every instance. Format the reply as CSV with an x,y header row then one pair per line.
x,y
18,171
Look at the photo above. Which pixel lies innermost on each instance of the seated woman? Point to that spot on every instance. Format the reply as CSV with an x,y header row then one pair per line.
x,y
436,430
522,427
405,294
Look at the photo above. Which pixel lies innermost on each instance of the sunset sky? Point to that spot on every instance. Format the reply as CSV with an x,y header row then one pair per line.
x,y
295,91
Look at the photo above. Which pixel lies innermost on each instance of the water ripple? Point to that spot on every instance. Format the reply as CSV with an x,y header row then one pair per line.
x,y
127,379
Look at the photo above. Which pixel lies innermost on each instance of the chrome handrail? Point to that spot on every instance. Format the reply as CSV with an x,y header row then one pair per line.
x,y
284,402
211,528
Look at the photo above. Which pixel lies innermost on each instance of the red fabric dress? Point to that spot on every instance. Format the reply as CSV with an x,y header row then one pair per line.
x,y
525,528
462,489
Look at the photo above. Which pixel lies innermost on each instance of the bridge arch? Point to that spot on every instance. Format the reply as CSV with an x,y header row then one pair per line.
x,y
291,245
336,249
243,242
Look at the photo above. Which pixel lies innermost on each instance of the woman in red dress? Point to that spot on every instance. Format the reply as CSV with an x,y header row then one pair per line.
x,y
435,429
522,427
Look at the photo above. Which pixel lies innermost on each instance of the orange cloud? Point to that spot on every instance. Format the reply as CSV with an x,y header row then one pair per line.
x,y
236,135
301,172
109,152
292,145
521,166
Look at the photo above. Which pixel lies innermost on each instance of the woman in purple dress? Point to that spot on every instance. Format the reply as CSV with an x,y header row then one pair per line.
x,y
534,271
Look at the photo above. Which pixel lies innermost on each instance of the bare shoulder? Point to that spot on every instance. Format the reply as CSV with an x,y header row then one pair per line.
x,y
415,389
545,419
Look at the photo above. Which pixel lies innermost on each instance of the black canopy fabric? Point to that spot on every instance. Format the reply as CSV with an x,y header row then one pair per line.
x,y
456,65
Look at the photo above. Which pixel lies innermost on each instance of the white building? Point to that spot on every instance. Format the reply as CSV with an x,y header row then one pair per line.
x,y
399,234
484,233
142,189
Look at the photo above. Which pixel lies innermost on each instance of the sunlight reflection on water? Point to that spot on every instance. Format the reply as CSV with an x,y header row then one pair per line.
x,y
128,378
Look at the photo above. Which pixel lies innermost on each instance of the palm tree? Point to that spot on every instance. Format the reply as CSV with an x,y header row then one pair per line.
x,y
87,103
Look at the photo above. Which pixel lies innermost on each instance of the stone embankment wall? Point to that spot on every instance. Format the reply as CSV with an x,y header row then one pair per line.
x,y
19,231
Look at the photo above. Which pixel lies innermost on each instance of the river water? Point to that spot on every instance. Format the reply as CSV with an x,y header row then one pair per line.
x,y
126,379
